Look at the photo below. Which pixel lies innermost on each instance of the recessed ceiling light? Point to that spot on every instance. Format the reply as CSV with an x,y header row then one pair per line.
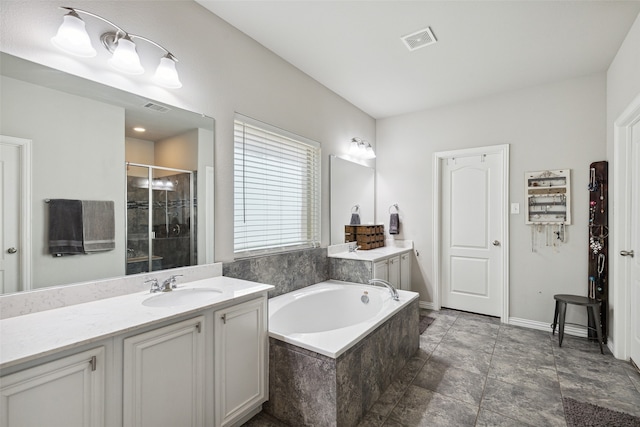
x,y
139,129
419,39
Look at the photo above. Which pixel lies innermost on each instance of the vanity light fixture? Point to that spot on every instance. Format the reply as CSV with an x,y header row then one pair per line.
x,y
72,37
361,149
139,129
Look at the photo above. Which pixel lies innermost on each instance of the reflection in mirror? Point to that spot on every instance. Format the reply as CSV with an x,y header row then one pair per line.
x,y
352,184
80,137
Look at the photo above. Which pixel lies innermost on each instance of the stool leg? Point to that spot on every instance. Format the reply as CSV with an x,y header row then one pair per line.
x,y
555,319
596,314
563,312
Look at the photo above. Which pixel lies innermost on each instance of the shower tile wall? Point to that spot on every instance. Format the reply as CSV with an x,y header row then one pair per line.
x,y
171,225
287,271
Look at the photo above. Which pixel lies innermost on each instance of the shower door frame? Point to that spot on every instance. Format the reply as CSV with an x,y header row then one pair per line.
x,y
150,169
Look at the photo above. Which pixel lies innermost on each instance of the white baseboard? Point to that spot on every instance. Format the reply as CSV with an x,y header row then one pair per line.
x,y
575,331
427,305
544,326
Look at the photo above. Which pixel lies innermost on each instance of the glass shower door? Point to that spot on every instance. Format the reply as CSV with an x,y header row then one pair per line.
x,y
160,217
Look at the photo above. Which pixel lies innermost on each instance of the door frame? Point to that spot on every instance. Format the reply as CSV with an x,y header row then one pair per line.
x,y
438,157
621,344
25,214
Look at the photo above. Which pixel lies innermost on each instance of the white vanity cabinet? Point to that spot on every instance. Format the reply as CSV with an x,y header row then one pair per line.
x,y
163,376
381,270
117,362
405,271
240,360
69,392
396,270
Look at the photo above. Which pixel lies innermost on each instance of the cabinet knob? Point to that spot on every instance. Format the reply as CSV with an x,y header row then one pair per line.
x,y
12,250
496,243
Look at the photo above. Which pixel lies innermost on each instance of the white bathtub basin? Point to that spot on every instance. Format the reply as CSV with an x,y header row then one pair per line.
x,y
181,297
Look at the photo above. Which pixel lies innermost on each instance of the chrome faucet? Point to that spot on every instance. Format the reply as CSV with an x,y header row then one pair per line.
x,y
155,286
170,283
392,290
354,248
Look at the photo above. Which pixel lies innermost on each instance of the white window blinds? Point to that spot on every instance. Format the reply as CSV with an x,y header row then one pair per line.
x,y
276,189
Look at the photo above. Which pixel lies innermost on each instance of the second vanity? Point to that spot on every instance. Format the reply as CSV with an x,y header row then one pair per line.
x,y
391,262
194,356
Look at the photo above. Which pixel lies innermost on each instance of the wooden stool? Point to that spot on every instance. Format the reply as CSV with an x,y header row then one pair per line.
x,y
593,313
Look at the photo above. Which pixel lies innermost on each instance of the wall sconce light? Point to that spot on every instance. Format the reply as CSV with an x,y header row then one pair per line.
x,y
361,149
72,37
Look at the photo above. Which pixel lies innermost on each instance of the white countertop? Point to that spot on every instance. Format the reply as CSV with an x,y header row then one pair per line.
x,y
27,337
374,255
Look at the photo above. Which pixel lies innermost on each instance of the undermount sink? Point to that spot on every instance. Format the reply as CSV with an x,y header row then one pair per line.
x,y
181,297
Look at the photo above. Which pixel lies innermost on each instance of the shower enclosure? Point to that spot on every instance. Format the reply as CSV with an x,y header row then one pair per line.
x,y
160,218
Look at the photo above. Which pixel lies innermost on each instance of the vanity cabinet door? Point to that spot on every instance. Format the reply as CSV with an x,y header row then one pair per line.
x,y
405,271
67,392
381,270
163,382
394,271
241,342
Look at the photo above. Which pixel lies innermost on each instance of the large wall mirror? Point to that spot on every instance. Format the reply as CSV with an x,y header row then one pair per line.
x,y
84,147
352,190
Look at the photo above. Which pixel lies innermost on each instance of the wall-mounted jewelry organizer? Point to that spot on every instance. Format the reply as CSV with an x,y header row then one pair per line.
x,y
598,287
548,205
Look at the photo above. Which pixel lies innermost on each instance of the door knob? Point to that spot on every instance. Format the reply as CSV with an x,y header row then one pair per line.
x,y
496,243
627,253
12,250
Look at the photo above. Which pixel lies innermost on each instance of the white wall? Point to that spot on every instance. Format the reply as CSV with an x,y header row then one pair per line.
x,y
623,86
91,158
222,70
139,151
555,126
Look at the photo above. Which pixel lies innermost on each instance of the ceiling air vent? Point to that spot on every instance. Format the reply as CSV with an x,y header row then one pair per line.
x,y
156,107
419,39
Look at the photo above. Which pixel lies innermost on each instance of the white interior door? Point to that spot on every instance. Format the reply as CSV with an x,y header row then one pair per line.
x,y
634,279
472,221
10,277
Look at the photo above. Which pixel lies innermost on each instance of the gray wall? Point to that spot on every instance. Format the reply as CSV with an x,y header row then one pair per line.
x,y
555,126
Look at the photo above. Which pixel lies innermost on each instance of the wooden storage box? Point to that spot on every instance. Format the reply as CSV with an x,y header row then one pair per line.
x,y
366,236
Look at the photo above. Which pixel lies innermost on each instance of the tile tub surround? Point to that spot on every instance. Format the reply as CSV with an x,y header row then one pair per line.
x,y
349,270
22,303
287,271
307,388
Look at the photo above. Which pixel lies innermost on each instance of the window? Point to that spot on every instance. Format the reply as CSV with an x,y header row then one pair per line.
x,y
276,189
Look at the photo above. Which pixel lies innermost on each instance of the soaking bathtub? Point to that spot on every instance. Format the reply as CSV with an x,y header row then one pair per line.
x,y
334,348
330,317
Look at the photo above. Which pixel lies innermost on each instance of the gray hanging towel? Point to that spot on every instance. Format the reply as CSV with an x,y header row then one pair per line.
x,y
98,221
65,227
394,224
355,219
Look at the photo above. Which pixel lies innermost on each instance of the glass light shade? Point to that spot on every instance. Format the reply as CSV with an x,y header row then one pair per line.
x,y
353,147
72,37
369,153
125,57
166,74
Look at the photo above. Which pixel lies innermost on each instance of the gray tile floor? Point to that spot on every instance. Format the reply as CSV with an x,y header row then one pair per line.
x,y
471,370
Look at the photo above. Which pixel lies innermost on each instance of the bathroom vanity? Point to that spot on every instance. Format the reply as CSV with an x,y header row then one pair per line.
x,y
391,262
195,356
